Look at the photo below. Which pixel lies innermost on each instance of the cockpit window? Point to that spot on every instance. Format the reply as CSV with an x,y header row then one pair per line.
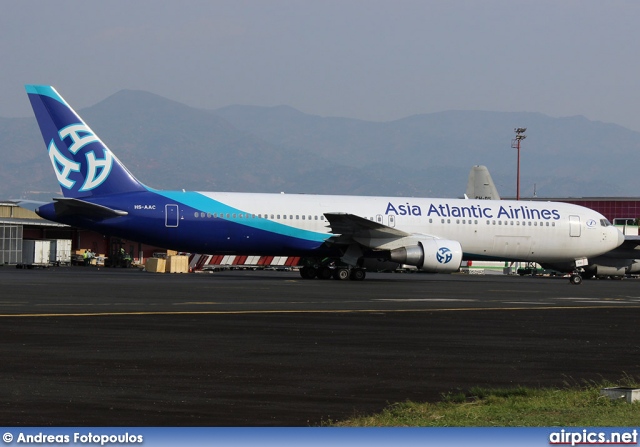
x,y
605,223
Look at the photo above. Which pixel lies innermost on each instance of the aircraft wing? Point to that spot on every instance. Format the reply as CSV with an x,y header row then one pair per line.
x,y
356,232
72,207
356,227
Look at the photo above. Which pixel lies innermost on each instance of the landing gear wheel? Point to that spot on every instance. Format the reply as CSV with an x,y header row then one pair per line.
x,y
575,279
358,275
308,272
341,274
324,272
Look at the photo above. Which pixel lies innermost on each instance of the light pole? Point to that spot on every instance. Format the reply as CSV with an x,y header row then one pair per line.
x,y
515,143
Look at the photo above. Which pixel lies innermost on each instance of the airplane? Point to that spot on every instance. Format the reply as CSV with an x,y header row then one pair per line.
x,y
623,260
334,234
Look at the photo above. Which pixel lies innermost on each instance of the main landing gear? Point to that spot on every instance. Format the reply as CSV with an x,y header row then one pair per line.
x,y
339,273
575,279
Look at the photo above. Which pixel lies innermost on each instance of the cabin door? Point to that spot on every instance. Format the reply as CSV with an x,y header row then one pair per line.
x,y
574,226
171,215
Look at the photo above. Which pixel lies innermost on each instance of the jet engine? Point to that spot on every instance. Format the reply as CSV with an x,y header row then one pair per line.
x,y
430,255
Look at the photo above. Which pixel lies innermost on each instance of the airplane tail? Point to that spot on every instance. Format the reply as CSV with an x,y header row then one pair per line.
x,y
83,164
480,184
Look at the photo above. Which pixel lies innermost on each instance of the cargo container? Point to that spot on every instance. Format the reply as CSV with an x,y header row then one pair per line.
x,y
60,252
35,253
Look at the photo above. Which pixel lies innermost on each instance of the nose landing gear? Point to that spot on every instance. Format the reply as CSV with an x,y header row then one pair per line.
x,y
575,279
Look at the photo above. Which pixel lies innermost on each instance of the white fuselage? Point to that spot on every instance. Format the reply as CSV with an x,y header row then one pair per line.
x,y
535,231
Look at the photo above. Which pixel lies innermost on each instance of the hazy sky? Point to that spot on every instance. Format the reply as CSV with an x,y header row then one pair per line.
x,y
369,59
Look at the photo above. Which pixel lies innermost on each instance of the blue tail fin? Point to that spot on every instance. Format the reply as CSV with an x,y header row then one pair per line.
x,y
83,164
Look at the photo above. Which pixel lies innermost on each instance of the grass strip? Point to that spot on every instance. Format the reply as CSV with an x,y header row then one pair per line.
x,y
569,406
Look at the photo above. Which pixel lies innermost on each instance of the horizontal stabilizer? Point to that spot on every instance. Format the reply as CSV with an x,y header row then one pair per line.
x,y
76,207
30,205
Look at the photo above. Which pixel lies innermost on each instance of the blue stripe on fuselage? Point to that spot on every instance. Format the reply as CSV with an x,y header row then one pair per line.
x,y
205,204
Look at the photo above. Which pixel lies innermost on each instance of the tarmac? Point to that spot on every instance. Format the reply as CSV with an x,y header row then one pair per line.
x,y
115,347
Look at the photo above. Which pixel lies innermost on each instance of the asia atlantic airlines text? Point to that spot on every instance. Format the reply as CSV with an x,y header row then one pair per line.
x,y
473,211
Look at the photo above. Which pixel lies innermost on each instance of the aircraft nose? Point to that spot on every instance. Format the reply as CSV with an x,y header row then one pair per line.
x,y
620,237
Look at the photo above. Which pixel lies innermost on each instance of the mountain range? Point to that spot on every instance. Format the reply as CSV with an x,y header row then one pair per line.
x,y
169,145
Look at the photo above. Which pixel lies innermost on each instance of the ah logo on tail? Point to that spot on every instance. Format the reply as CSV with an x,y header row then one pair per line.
x,y
97,169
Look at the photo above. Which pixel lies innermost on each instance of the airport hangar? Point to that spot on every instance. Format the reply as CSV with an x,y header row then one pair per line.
x,y
18,224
